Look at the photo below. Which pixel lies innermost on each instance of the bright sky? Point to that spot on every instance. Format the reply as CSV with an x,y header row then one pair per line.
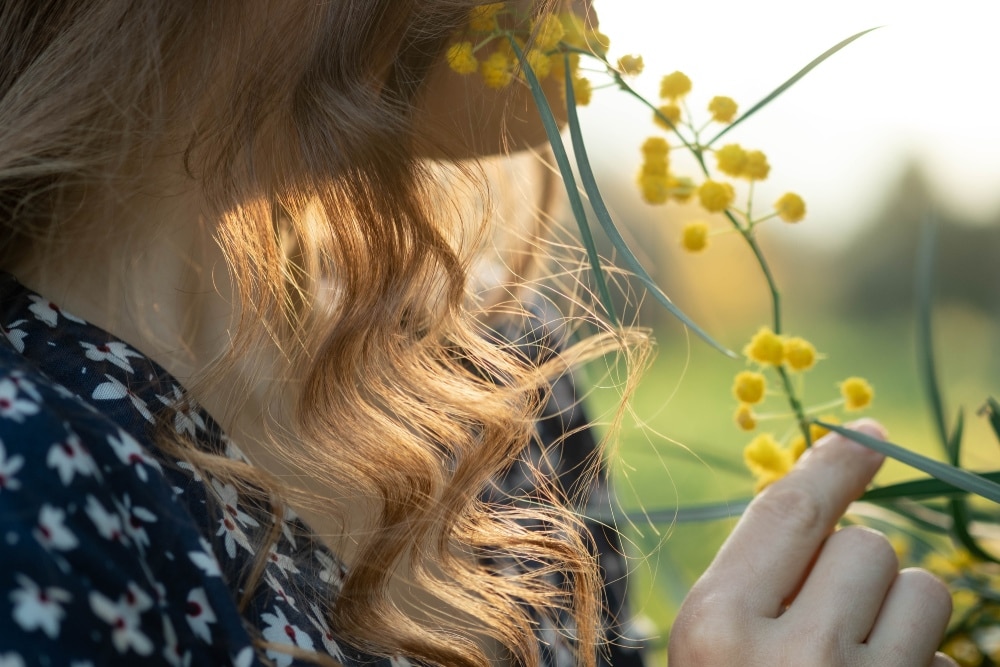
x,y
923,86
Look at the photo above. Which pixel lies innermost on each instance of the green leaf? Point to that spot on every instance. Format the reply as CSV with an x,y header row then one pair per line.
x,y
960,526
957,477
569,181
608,224
957,507
788,84
925,339
921,489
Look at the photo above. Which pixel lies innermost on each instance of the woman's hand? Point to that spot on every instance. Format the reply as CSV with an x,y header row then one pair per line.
x,y
784,590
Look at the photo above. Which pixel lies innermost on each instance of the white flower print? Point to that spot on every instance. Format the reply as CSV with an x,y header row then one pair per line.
x,y
279,590
133,518
25,385
171,649
285,564
287,518
115,352
233,535
244,658
114,390
136,599
70,458
51,531
8,468
205,560
280,631
12,407
200,614
191,469
233,451
108,524
48,312
14,335
232,518
130,452
329,643
187,421
230,501
400,661
37,608
11,660
332,571
124,618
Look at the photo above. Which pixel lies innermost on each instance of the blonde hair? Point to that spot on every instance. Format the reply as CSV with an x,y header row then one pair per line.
x,y
402,396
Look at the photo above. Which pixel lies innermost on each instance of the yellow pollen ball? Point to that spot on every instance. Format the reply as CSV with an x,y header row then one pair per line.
x,y
764,455
695,236
723,109
715,196
559,65
731,159
655,188
539,63
631,65
496,71
583,91
547,32
484,18
857,393
674,85
574,30
655,166
655,146
800,355
766,347
671,112
797,447
749,387
461,59
790,207
816,431
756,167
745,418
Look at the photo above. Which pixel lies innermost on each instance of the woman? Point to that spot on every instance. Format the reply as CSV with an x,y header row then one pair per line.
x,y
239,190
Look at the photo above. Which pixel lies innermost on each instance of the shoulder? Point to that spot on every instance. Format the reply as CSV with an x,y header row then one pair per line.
x,y
89,530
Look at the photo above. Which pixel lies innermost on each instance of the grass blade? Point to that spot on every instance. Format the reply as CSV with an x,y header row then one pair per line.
x,y
789,83
921,489
671,515
925,340
992,409
566,171
957,477
608,224
957,507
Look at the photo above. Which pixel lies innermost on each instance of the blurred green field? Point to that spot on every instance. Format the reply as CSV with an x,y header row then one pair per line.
x,y
679,446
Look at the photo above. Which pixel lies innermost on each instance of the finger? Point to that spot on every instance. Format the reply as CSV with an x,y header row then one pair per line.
x,y
913,619
769,552
941,660
846,587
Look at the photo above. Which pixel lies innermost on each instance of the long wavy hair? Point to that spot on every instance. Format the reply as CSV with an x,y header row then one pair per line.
x,y
343,252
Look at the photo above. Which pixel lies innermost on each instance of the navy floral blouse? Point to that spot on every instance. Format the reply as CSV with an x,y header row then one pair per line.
x,y
111,554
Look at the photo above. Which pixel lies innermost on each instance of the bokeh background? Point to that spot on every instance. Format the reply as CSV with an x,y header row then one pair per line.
x,y
901,123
